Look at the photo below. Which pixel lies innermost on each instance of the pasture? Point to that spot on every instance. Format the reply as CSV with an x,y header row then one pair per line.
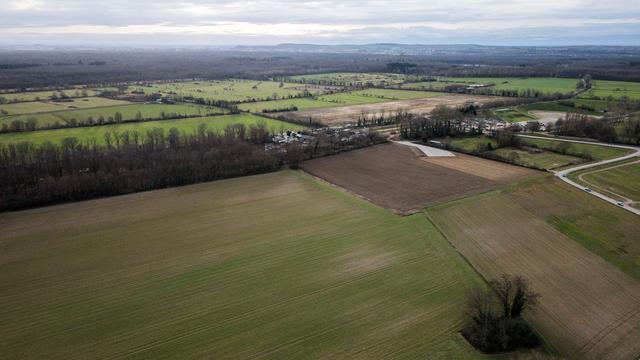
x,y
190,125
46,95
275,266
529,157
604,89
231,90
395,177
620,180
595,151
353,79
50,106
545,85
588,308
512,115
127,111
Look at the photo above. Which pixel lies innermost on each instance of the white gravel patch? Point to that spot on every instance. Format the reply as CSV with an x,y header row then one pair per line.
x,y
428,150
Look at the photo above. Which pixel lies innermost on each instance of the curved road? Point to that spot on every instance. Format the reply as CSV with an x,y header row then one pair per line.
x,y
562,174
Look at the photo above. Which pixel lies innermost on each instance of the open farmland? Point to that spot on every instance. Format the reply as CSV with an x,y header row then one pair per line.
x,y
49,106
588,307
353,79
544,85
529,157
604,89
275,266
216,123
350,114
232,90
595,151
369,96
127,111
395,177
45,95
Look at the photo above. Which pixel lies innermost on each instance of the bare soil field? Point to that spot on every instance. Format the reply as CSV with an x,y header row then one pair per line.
x,y
346,114
396,177
588,307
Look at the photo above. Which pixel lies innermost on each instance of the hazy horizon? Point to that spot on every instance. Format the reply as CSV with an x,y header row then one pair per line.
x,y
267,22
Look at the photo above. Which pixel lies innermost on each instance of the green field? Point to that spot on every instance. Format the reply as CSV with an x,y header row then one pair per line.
x,y
354,79
45,95
429,85
604,89
301,104
217,123
544,85
620,180
276,266
374,96
231,90
40,107
359,97
596,152
128,112
512,115
595,107
537,159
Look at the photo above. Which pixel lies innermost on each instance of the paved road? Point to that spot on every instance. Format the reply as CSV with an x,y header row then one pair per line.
x,y
563,174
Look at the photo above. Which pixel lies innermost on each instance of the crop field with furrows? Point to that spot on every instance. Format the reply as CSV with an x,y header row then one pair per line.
x,y
396,177
127,111
620,180
46,95
604,89
350,113
588,308
275,266
190,125
354,79
232,90
49,106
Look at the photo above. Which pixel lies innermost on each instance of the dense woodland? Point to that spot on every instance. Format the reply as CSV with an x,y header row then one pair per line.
x,y
37,175
50,67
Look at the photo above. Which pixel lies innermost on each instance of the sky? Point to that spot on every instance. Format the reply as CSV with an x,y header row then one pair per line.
x,y
268,22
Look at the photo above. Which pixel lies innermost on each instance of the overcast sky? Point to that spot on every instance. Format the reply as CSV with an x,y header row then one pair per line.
x,y
229,22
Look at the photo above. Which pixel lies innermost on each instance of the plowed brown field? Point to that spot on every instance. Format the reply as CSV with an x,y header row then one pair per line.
x,y
346,114
394,176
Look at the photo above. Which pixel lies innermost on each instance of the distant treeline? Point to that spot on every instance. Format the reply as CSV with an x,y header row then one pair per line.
x,y
38,175
625,130
43,68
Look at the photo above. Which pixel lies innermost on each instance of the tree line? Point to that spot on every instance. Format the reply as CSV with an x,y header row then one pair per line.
x,y
127,162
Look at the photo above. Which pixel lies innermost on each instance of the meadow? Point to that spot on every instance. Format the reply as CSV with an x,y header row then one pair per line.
x,y
354,79
216,123
545,85
604,89
360,97
539,159
128,112
50,106
596,152
231,90
275,266
621,180
512,115
45,95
